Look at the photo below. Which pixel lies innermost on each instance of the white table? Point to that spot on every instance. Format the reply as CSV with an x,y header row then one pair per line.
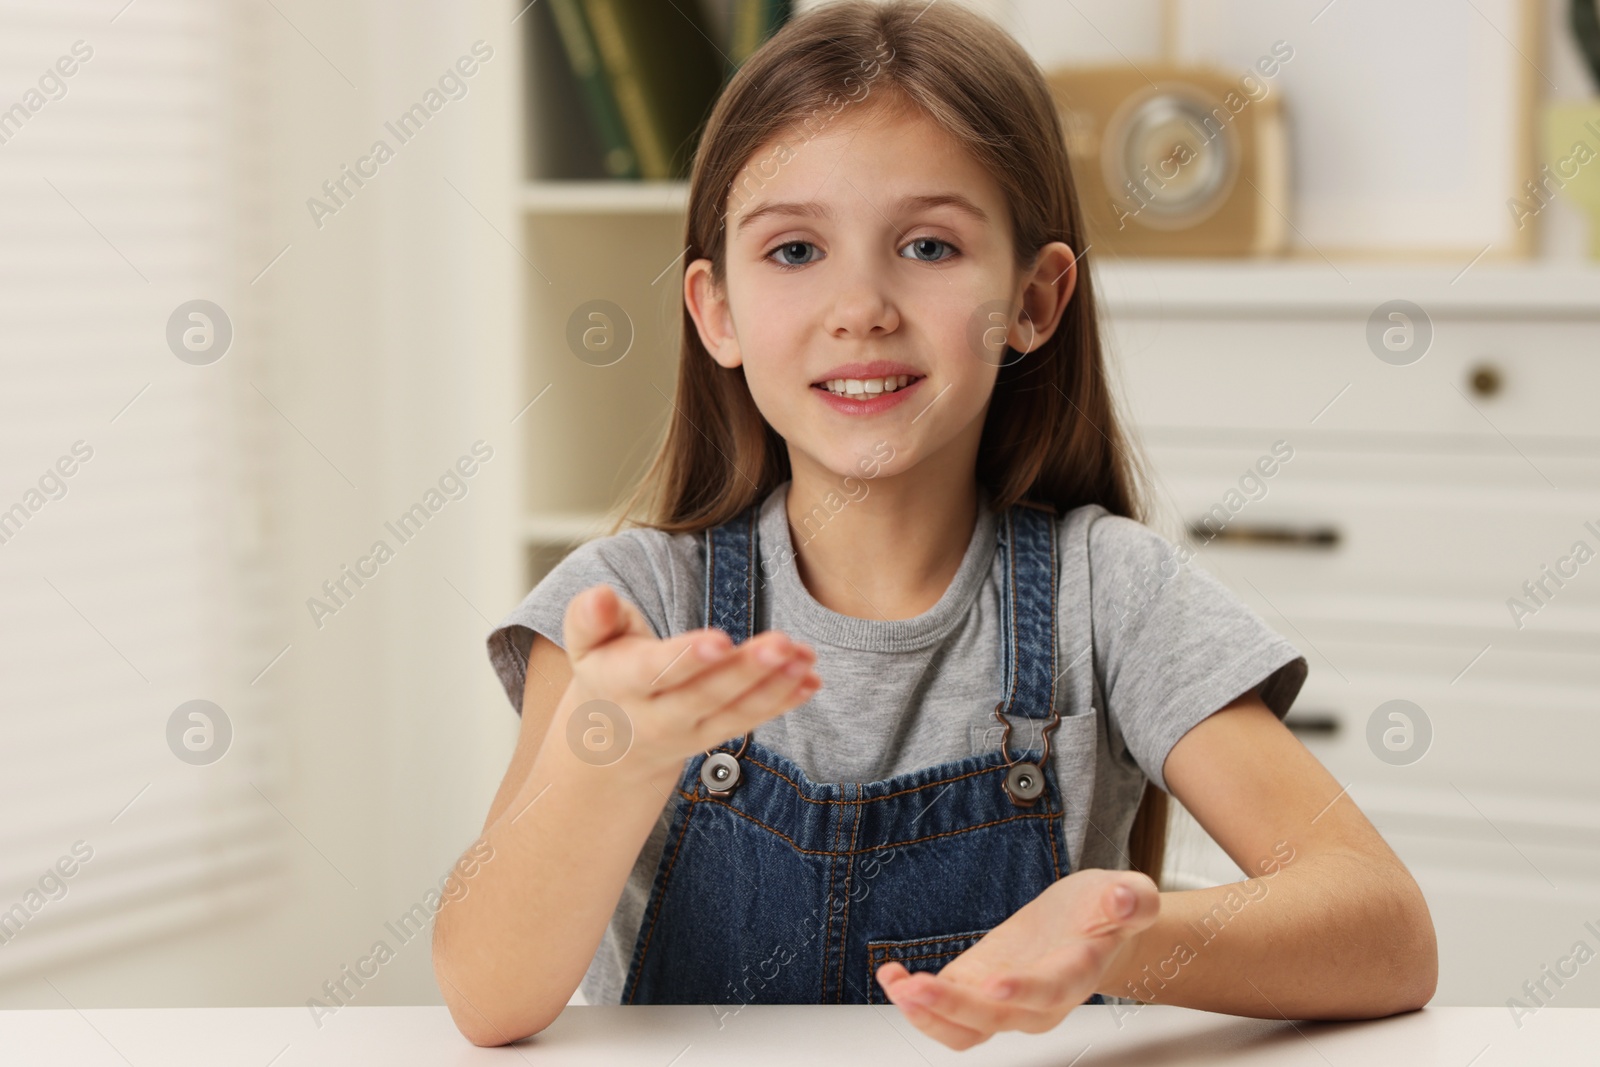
x,y
765,1036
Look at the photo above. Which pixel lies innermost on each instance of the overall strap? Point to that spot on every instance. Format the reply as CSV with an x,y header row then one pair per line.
x,y
1028,542
731,556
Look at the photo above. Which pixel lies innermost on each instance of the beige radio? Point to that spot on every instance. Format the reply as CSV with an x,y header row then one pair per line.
x,y
1176,160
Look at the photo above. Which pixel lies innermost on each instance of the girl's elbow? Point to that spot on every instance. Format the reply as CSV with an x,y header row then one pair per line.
x,y
479,1015
491,1037
1416,990
495,1037
1419,979
1425,968
491,1033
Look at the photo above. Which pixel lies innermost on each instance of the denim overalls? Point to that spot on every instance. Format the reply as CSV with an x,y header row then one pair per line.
x,y
775,889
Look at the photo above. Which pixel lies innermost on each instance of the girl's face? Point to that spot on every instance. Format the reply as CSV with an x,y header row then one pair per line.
x,y
877,247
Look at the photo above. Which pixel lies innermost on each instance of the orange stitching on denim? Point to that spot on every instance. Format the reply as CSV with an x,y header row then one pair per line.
x,y
833,862
1050,837
925,956
644,949
885,946
872,979
1055,858
849,869
872,976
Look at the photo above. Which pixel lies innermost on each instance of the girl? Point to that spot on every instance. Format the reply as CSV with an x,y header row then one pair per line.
x,y
893,463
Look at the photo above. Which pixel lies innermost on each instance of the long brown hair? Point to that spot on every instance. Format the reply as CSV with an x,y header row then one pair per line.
x,y
1052,433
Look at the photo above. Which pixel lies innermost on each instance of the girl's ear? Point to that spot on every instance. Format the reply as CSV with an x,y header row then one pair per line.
x,y
1045,293
708,305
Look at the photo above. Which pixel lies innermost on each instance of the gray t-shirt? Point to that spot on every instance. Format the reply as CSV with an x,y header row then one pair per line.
x,y
1171,645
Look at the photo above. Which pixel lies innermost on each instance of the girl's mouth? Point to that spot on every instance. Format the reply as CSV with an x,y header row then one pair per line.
x,y
854,396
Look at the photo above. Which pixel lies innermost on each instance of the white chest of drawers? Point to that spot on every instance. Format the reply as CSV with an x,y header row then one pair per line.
x,y
1422,502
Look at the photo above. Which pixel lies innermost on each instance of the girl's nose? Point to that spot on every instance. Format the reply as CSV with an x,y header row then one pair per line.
x,y
862,306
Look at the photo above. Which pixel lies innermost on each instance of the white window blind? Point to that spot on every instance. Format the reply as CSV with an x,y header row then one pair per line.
x,y
135,583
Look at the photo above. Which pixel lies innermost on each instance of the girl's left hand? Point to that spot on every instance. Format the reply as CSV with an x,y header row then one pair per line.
x,y
1030,971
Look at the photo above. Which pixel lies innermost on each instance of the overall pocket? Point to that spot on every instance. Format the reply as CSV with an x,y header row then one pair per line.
x,y
914,954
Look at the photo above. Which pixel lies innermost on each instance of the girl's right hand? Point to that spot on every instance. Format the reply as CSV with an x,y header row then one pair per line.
x,y
683,694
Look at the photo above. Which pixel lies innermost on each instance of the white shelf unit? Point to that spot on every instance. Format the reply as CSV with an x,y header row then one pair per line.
x,y
1445,483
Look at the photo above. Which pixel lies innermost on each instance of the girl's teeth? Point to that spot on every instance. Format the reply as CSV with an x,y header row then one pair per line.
x,y
864,388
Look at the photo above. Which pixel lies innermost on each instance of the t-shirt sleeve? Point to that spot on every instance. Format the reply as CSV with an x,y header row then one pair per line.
x,y
631,562
1174,644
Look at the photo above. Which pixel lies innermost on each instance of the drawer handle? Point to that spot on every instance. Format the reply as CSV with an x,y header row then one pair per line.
x,y
1485,379
1296,537
1316,724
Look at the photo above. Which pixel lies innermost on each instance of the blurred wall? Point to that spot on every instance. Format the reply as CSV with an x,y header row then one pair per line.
x,y
385,350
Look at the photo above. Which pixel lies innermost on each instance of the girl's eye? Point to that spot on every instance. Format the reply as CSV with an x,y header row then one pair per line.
x,y
930,245
798,247
920,246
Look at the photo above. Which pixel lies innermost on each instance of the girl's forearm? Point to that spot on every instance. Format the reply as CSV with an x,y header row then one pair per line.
x,y
1328,936
511,951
